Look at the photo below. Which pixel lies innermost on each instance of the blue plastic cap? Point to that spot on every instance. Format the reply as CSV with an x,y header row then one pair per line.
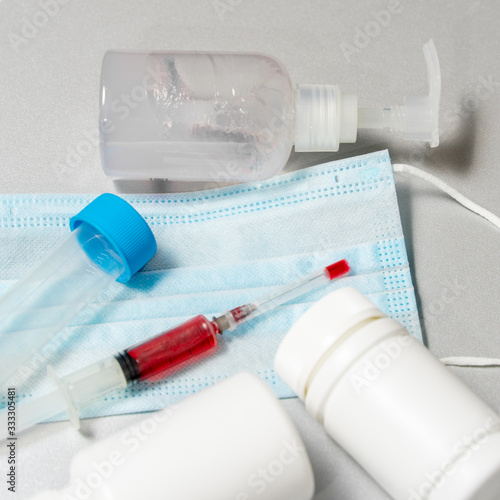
x,y
124,228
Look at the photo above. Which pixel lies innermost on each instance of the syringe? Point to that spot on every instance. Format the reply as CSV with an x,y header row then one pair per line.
x,y
157,357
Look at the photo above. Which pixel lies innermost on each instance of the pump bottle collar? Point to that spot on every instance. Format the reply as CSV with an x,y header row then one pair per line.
x,y
326,117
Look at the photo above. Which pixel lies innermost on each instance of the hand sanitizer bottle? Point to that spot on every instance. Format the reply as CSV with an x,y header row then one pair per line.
x,y
228,117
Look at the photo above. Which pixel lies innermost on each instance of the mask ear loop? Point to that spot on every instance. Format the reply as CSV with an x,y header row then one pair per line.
x,y
465,361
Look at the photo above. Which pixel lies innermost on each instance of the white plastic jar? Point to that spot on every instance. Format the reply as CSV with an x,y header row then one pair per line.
x,y
232,441
412,424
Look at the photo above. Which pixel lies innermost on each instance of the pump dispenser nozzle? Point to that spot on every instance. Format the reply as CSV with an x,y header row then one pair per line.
x,y
325,117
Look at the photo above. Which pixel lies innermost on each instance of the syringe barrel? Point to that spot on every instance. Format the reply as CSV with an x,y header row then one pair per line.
x,y
71,393
52,294
170,350
92,381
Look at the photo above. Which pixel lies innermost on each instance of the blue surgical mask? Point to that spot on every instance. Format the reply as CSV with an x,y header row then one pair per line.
x,y
218,249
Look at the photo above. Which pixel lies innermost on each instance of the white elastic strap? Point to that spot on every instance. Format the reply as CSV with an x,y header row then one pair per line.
x,y
474,207
466,361
471,361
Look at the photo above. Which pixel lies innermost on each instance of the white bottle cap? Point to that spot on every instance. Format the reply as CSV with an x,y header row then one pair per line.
x,y
317,332
324,118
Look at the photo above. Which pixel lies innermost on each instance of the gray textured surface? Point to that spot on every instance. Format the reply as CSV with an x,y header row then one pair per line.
x,y
48,102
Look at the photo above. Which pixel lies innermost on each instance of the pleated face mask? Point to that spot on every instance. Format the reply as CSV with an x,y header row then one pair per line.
x,y
219,249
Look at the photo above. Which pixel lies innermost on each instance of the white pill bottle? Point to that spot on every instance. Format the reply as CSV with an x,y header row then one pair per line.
x,y
232,441
416,428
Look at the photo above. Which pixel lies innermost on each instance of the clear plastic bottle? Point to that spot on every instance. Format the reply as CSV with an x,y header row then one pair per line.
x,y
109,241
195,116
232,116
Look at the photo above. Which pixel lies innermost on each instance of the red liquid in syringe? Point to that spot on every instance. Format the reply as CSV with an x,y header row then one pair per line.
x,y
172,349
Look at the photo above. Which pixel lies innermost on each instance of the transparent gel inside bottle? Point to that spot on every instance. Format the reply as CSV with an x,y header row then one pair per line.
x,y
195,116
